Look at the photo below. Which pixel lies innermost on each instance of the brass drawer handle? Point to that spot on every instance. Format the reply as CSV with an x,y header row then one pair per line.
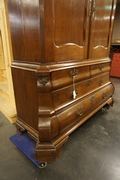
x,y
80,111
100,82
73,72
89,82
104,95
92,98
101,66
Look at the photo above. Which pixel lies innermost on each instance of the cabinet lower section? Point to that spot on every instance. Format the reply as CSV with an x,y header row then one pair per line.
x,y
48,110
47,150
70,119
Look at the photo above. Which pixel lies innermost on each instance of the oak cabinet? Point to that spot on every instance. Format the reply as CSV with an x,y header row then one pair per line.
x,y
61,67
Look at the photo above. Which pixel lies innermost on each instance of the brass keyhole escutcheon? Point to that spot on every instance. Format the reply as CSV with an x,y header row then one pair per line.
x,y
89,82
100,82
73,72
104,95
92,98
101,66
80,111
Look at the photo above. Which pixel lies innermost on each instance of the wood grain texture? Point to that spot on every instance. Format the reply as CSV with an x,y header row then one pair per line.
x,y
25,25
61,67
101,28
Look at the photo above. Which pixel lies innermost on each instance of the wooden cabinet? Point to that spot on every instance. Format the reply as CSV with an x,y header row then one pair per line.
x,y
61,67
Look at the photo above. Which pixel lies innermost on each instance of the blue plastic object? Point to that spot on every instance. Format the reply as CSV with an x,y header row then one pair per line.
x,y
26,145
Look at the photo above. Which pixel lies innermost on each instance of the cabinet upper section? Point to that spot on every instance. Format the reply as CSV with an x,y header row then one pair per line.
x,y
59,30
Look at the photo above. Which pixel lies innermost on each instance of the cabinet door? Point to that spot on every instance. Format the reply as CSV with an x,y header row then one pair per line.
x,y
66,29
102,15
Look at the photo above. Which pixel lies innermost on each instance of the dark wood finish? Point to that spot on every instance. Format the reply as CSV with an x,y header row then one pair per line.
x,y
61,67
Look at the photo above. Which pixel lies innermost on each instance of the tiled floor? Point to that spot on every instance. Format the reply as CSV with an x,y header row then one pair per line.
x,y
91,153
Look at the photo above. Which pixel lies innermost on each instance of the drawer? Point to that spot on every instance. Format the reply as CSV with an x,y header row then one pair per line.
x,y
102,95
71,115
82,108
63,78
63,97
99,68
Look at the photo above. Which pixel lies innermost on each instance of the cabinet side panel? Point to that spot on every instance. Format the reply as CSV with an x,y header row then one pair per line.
x,y
26,96
24,18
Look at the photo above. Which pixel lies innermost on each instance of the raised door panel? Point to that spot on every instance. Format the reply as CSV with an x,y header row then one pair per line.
x,y
102,15
24,18
66,29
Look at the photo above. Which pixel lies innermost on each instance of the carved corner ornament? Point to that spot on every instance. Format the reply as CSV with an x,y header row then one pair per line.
x,y
43,79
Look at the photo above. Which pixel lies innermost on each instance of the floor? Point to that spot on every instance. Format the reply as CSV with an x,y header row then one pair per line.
x,y
91,153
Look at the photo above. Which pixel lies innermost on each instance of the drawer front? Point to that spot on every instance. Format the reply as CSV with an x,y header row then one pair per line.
x,y
101,95
65,77
69,116
100,68
64,97
82,108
